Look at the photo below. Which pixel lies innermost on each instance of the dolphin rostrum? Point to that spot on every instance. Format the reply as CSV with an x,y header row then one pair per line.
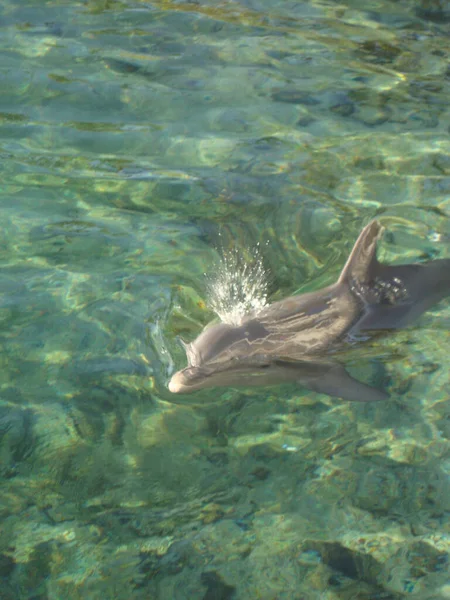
x,y
291,340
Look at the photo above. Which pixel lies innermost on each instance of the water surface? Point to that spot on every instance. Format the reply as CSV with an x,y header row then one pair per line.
x,y
132,135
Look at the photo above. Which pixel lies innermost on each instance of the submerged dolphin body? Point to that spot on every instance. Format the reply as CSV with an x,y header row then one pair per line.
x,y
290,339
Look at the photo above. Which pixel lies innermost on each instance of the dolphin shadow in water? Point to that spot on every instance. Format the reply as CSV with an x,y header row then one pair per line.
x,y
290,339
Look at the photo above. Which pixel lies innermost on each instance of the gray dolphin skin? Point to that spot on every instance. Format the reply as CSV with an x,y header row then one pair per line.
x,y
291,340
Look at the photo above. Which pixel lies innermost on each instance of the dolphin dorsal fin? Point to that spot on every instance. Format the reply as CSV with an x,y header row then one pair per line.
x,y
362,264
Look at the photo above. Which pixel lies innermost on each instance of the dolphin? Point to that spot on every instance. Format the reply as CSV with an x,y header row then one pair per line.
x,y
292,340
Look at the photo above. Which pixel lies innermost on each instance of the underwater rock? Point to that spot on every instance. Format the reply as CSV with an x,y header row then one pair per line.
x,y
294,96
350,563
305,121
122,66
437,11
7,565
370,163
378,490
16,437
211,513
345,109
426,558
373,116
217,589
341,104
417,568
379,52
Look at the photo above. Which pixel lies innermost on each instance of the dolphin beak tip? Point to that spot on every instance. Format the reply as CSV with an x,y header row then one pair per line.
x,y
175,386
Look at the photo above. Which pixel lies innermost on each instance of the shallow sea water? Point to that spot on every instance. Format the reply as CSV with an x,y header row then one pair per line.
x,y
136,136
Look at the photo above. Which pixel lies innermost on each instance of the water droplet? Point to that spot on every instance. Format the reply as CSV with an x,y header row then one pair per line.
x,y
236,288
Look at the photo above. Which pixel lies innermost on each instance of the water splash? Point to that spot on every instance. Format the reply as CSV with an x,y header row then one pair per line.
x,y
237,287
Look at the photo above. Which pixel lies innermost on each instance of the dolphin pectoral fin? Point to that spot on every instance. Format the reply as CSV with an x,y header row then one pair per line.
x,y
342,385
380,317
331,378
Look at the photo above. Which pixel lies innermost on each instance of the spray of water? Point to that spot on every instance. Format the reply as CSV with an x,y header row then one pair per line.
x,y
237,287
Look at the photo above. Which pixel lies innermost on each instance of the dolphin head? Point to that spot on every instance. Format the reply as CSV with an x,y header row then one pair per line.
x,y
232,372
220,342
216,351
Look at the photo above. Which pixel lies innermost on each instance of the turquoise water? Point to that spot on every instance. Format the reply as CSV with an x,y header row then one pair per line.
x,y
132,135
